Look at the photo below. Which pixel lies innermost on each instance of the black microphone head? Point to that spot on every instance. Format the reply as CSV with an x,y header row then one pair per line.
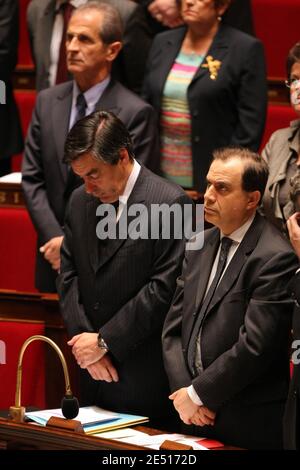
x,y
69,406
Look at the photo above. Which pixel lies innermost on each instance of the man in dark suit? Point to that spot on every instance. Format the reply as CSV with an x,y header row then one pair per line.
x,y
291,422
226,336
11,140
46,180
115,292
44,33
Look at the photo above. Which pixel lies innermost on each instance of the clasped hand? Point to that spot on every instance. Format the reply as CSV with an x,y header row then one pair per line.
x,y
89,356
189,412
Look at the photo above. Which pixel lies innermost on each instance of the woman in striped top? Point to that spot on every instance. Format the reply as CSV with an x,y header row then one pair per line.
x,y
207,82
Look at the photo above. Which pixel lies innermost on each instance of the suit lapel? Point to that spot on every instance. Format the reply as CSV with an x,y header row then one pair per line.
x,y
137,196
61,111
169,51
217,50
233,270
93,241
207,259
107,100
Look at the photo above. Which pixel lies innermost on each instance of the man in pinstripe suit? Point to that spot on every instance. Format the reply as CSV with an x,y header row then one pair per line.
x,y
115,293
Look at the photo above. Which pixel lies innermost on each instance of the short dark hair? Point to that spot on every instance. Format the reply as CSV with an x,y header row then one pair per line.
x,y
101,134
292,58
256,172
112,28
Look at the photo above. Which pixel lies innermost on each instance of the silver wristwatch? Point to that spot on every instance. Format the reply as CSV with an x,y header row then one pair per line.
x,y
101,343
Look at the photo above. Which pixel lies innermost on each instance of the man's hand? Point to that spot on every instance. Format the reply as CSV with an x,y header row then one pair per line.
x,y
189,412
166,12
103,370
204,417
185,407
85,349
51,251
294,231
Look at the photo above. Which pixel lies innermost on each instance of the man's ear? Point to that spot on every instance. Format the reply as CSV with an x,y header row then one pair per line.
x,y
113,50
253,199
124,156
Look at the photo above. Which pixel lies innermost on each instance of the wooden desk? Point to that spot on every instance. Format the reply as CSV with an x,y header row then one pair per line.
x,y
28,436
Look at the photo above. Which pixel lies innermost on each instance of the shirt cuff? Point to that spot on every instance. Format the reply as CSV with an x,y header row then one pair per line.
x,y
193,395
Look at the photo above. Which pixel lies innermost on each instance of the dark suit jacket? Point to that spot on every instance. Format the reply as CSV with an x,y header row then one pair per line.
x,y
11,140
128,68
227,111
125,292
291,422
244,338
45,176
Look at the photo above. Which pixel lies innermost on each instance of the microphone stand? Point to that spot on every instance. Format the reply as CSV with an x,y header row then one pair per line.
x,y
70,405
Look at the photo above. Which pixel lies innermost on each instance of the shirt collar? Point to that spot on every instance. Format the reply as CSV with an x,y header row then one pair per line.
x,y
130,182
238,234
93,94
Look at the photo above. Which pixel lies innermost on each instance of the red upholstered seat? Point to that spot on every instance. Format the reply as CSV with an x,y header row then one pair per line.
x,y
25,100
12,336
278,117
17,250
276,23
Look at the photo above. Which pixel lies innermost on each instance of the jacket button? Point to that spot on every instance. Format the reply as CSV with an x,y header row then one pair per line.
x,y
194,314
195,112
196,139
183,350
96,306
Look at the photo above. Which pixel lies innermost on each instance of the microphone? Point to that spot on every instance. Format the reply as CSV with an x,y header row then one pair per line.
x,y
69,404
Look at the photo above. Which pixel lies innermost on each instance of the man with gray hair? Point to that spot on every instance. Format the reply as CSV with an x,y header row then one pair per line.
x,y
93,41
46,25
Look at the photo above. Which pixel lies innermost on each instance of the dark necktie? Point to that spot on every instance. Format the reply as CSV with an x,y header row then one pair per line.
x,y
225,246
81,106
62,71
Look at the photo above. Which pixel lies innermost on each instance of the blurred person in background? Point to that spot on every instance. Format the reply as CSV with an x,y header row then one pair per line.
x,y
11,140
282,154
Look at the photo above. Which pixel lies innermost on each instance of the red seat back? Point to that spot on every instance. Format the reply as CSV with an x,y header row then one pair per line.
x,y
276,23
278,117
12,336
17,250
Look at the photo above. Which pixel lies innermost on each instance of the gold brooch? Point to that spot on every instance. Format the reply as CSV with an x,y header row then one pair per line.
x,y
213,66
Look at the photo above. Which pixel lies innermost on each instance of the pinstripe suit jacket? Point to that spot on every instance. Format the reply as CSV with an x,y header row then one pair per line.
x,y
125,292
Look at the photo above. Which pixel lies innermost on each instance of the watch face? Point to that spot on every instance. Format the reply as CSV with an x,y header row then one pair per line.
x,y
101,343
